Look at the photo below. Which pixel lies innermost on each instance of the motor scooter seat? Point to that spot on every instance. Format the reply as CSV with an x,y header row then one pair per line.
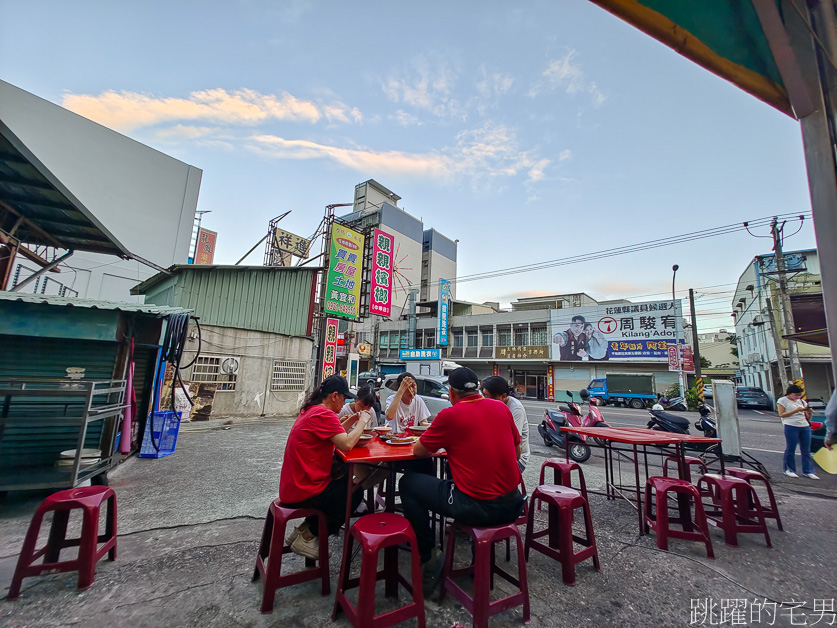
x,y
565,409
674,419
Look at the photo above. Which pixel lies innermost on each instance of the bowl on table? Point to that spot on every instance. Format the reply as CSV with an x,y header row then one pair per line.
x,y
418,430
382,430
363,441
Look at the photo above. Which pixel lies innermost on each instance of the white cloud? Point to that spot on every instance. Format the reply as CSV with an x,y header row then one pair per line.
x,y
405,119
564,74
565,155
126,111
427,87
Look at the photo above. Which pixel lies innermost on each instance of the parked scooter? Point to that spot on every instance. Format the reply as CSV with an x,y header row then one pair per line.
x,y
675,404
594,417
553,420
706,422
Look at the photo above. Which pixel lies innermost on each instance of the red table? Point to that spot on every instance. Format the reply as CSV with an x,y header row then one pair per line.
x,y
375,452
636,437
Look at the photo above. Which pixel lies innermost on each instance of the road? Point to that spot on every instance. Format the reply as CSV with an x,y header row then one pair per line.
x,y
762,435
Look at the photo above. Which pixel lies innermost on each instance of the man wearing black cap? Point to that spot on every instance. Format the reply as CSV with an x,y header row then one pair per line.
x,y
306,480
482,446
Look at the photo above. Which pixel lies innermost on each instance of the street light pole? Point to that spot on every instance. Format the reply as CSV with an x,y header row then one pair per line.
x,y
197,231
677,335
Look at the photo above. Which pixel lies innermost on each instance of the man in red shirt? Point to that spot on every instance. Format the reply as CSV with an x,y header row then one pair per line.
x,y
482,446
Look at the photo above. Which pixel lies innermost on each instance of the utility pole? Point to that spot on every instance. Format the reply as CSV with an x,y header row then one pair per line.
x,y
777,345
678,319
696,346
784,300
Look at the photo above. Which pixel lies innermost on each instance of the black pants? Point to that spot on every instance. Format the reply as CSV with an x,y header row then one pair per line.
x,y
422,493
332,501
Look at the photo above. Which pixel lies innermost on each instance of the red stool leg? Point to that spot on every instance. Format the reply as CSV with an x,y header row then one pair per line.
x,y
647,507
728,512
524,582
703,526
448,564
565,545
530,526
418,594
760,514
110,525
274,563
482,578
87,548
57,535
774,507
322,526
661,515
591,539
264,545
366,592
26,554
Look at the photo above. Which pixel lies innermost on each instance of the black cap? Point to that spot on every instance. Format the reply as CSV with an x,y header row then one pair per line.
x,y
337,384
464,379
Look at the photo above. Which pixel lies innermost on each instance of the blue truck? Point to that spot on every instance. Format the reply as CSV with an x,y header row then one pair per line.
x,y
624,389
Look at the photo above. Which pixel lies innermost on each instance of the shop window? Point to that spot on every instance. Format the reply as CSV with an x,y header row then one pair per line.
x,y
487,338
472,338
288,376
384,343
539,336
207,370
429,338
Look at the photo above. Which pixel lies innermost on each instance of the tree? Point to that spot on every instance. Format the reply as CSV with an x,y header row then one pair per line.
x,y
733,340
704,363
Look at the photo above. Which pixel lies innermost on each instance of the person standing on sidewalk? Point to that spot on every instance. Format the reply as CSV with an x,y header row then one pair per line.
x,y
496,387
307,480
796,417
482,446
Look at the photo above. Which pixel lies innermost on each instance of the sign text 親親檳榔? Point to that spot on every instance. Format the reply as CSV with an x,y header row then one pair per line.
x,y
345,270
624,332
380,294
330,347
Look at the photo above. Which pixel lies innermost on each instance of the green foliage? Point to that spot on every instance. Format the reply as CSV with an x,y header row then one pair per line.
x,y
692,399
704,363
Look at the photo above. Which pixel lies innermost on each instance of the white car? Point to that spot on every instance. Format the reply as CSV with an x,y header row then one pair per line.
x,y
432,389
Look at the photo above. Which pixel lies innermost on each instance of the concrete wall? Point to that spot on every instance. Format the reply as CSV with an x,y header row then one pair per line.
x,y
257,351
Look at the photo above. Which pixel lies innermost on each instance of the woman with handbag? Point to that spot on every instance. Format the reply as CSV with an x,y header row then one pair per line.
x,y
796,417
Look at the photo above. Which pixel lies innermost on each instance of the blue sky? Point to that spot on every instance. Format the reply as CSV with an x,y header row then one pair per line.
x,y
528,131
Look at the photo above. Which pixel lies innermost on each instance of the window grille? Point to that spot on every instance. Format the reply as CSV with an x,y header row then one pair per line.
x,y
207,370
539,337
288,376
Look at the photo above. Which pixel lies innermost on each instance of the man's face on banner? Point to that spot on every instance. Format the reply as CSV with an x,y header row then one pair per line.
x,y
577,327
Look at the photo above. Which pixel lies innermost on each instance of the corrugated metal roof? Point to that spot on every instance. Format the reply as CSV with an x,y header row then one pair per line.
x,y
264,298
145,308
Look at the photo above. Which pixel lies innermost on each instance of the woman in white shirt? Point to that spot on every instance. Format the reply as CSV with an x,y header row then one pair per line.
x,y
405,407
496,387
796,417
364,402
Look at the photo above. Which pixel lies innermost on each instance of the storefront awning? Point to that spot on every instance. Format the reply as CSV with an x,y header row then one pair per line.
x,y
818,337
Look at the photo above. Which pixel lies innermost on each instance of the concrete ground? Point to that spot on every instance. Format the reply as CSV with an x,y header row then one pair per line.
x,y
189,527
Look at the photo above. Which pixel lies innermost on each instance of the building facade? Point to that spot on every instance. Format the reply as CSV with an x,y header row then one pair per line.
x,y
758,326
255,348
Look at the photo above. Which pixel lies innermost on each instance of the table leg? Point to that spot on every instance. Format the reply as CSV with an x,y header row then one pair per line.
x,y
638,492
683,500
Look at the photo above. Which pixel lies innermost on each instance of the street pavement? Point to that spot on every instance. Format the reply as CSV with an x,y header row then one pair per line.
x,y
189,527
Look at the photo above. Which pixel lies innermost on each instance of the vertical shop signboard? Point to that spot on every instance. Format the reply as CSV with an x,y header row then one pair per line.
x,y
380,298
550,383
345,269
444,305
673,363
688,359
495,370
330,347
205,249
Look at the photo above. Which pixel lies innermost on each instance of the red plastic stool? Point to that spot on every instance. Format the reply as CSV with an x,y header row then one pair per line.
x,y
690,462
483,569
562,474
750,476
562,502
273,547
383,531
660,521
89,499
735,507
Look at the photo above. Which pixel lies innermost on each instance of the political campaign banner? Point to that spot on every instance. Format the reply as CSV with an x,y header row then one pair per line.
x,y
623,332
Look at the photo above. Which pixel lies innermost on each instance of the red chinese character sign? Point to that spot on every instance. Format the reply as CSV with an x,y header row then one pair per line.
x,y
345,269
550,383
688,359
205,249
330,347
380,297
673,364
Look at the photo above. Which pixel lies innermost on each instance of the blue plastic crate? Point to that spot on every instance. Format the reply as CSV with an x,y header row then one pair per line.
x,y
165,426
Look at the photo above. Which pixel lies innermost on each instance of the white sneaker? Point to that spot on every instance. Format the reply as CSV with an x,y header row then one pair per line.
x,y
292,536
810,476
791,474
307,548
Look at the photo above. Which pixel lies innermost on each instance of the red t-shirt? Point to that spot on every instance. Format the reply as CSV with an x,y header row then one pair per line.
x,y
479,437
306,469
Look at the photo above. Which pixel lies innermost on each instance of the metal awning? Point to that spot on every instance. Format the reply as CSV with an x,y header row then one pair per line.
x,y
818,337
36,208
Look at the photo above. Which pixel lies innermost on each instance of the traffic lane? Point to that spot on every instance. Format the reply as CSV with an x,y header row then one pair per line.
x,y
760,430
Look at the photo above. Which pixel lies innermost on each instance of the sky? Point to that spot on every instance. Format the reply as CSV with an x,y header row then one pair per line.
x,y
528,131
